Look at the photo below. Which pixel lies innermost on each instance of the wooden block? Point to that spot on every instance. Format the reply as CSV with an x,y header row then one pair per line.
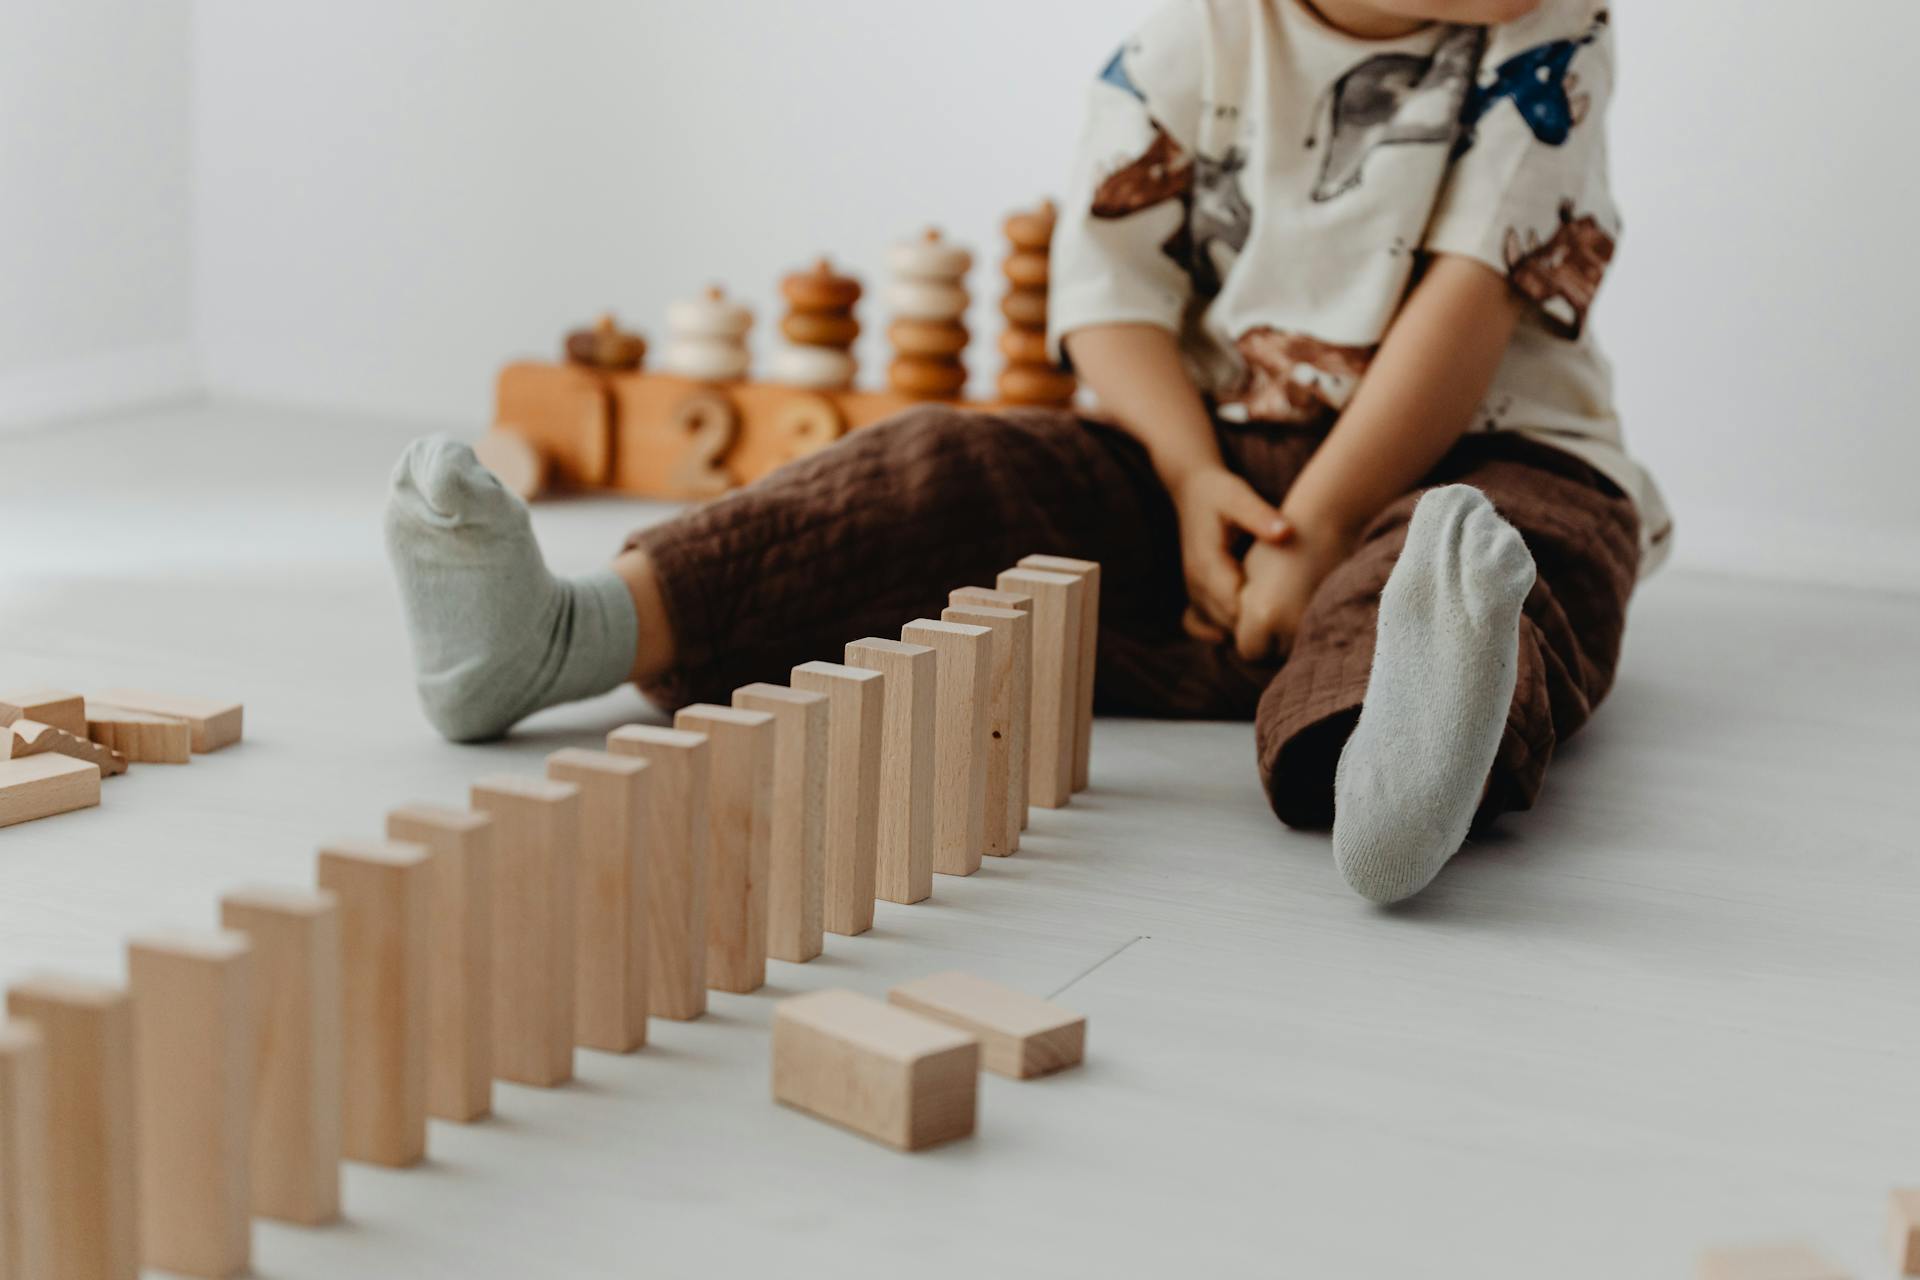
x,y
459,955
295,1123
1020,1035
383,889
31,738
562,411
1088,571
1057,604
193,1091
25,1206
1022,687
855,717
797,851
677,842
41,786
903,850
610,897
1009,690
1768,1262
1904,1231
536,841
893,1076
56,707
141,738
92,1180
959,741
739,839
216,724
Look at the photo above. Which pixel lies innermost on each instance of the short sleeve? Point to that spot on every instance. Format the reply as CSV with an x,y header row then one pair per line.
x,y
1527,192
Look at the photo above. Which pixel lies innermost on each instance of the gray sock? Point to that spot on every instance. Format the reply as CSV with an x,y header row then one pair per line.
x,y
1444,662
496,637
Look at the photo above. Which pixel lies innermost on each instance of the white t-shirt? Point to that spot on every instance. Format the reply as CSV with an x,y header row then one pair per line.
x,y
1264,186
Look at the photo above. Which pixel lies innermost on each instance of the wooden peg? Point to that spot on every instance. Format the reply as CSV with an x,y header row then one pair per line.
x,y
677,843
216,724
26,1208
903,853
1088,571
141,738
1009,691
1020,1035
739,833
56,707
1022,688
855,719
41,786
797,848
382,889
610,897
1768,1262
960,741
891,1075
1057,607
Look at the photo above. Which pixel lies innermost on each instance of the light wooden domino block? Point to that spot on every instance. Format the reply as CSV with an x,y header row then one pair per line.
x,y
1058,600
140,737
1768,1262
963,690
677,843
1903,1231
459,955
383,889
56,707
796,855
536,841
215,724
610,897
988,597
90,1163
903,848
41,786
1012,664
1020,1035
855,719
893,1076
31,738
1088,571
25,1207
192,1023
739,834
297,1091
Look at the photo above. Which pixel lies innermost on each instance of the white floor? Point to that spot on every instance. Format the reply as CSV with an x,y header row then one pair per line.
x,y
1678,1004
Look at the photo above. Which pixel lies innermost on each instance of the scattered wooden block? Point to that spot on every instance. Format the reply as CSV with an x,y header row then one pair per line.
x,y
295,1123
216,724
960,740
1009,689
193,1089
1904,1231
893,1076
677,842
141,738
903,850
610,897
25,1207
31,738
739,834
1020,1035
1021,767
56,707
383,890
1088,571
856,707
797,852
41,786
1058,602
1768,1262
90,1163
536,841
459,955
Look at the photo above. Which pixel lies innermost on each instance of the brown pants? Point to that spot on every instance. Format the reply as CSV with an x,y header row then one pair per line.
x,y
875,531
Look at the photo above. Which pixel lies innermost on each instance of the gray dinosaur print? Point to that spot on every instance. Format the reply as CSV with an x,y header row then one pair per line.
x,y
1394,99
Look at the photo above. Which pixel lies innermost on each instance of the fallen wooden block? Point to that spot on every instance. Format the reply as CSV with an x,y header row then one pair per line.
x,y
797,851
1020,1035
89,1161
1088,571
25,738
739,834
1058,601
215,724
677,843
192,1021
1904,1231
25,1207
41,786
988,597
610,897
141,738
295,1126
383,889
56,707
459,955
960,740
1768,1262
893,1076
903,849
856,708
1009,690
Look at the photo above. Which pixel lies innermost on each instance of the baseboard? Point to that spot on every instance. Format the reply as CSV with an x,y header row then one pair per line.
x,y
135,377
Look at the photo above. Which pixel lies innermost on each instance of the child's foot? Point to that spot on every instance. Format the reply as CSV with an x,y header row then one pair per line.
x,y
1416,766
496,637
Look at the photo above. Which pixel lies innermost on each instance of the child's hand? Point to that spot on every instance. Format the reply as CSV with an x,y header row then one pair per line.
x,y
1280,581
1213,503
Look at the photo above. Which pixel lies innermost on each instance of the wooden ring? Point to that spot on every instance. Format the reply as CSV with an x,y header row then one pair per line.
x,y
1025,307
927,379
935,339
820,328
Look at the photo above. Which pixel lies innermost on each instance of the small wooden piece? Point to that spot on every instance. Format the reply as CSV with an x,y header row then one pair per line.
x,y
929,303
960,740
514,461
893,1076
739,833
41,786
89,1159
1088,571
797,850
1768,1262
855,719
1903,1231
606,346
216,724
821,327
677,842
141,738
1029,376
382,889
459,955
25,738
1009,692
1020,1035
706,337
565,413
536,839
295,1122
193,1090
1057,606
25,1206
610,896
903,852
56,707
963,597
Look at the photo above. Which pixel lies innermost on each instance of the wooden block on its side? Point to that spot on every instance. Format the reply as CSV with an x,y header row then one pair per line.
x,y
891,1075
536,842
193,1090
855,716
966,597
383,889
57,707
677,842
215,723
459,955
959,741
140,737
903,850
41,786
610,897
564,412
1020,1035
1903,1230
1768,1262
295,1126
739,834
1009,690
25,1205
1058,600
1088,571
797,849
90,1163
31,738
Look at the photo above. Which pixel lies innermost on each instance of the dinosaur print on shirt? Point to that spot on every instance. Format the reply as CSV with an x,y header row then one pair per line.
x,y
1542,87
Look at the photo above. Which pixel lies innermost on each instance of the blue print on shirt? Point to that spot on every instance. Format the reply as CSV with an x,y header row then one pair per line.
x,y
1115,74
1538,83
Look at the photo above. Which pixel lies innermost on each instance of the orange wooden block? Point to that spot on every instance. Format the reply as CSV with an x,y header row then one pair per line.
x,y
903,852
677,842
56,707
563,412
1088,571
25,1206
797,851
890,1075
960,740
610,897
215,723
536,840
1020,1035
1057,607
739,835
856,701
1009,692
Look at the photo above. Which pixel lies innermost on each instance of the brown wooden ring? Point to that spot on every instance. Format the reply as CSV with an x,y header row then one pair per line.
x,y
1025,346
927,339
1030,228
600,349
1035,384
1025,307
927,379
817,291
820,328
1025,270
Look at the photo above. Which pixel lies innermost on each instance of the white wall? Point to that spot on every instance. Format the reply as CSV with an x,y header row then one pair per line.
x,y
95,214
